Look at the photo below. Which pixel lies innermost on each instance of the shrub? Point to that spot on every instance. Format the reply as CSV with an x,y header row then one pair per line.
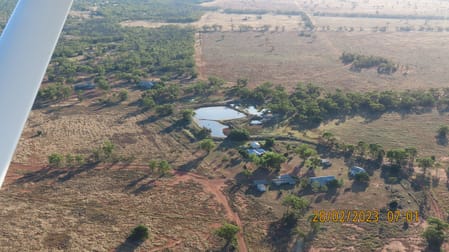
x,y
55,160
139,233
239,135
362,177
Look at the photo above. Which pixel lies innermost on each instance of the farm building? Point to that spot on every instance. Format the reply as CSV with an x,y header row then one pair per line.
x,y
261,185
323,180
284,179
255,122
145,85
257,152
84,86
356,170
255,145
326,163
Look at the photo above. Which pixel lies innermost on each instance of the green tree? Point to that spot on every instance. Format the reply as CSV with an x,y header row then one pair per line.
x,y
304,151
55,160
328,136
238,135
269,143
164,110
425,163
434,233
397,156
296,204
207,144
147,102
102,83
412,152
443,131
153,165
271,160
313,162
80,160
362,148
164,167
108,149
187,115
123,95
228,232
362,177
434,237
69,160
139,233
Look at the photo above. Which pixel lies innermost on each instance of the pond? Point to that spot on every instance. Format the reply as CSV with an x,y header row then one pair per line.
x,y
209,117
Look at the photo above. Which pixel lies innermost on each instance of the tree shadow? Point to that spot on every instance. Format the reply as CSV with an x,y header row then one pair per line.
x,y
227,144
61,174
252,190
441,140
191,164
135,182
72,173
40,175
358,187
178,125
129,245
280,232
145,187
150,119
391,174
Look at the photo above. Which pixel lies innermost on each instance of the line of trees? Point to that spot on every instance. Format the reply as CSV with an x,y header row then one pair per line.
x,y
308,105
172,11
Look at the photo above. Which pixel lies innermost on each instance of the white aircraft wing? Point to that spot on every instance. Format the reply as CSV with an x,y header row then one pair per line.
x,y
26,47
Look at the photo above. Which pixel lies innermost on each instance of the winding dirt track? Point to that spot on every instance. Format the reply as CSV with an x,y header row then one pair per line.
x,y
215,187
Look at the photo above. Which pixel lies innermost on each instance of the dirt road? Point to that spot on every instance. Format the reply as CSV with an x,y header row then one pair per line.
x,y
215,187
200,64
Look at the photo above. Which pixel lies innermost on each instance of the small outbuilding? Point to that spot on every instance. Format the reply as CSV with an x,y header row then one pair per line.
x,y
257,152
326,163
261,185
145,85
255,145
84,86
322,180
255,122
356,170
284,179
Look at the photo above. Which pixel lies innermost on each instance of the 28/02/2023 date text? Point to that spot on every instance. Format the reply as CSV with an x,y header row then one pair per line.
x,y
369,216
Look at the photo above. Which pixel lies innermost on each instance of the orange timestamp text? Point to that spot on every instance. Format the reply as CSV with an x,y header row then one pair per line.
x,y
365,215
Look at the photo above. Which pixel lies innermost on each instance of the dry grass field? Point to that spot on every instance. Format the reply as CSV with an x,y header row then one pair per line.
x,y
97,209
394,131
231,22
286,58
401,7
254,4
374,24
80,129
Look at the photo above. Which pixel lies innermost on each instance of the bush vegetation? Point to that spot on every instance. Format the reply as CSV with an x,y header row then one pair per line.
x,y
359,62
139,233
308,105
